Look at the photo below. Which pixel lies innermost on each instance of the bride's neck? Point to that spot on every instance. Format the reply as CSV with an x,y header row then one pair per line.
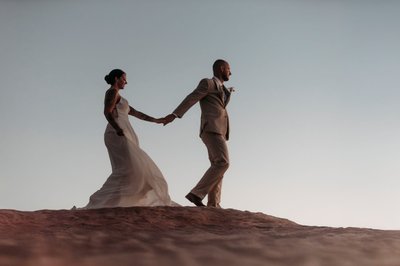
x,y
115,87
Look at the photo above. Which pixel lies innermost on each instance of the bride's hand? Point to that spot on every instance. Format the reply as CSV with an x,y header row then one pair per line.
x,y
158,120
168,119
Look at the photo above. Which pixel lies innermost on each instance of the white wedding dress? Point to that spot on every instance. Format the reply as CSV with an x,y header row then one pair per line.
x,y
135,179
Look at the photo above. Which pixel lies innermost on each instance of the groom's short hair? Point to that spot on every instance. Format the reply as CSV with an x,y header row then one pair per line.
x,y
217,64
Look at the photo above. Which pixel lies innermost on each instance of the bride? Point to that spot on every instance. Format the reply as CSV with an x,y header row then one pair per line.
x,y
135,179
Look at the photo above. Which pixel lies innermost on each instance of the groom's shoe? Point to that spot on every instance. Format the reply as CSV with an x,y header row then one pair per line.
x,y
194,199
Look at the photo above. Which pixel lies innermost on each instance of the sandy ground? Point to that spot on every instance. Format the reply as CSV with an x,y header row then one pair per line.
x,y
184,236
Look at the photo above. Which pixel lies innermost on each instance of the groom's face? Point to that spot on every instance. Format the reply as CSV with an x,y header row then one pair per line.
x,y
226,72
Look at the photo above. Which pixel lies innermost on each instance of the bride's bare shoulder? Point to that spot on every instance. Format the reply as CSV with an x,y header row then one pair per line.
x,y
112,96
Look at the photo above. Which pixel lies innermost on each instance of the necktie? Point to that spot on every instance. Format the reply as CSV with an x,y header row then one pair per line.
x,y
224,93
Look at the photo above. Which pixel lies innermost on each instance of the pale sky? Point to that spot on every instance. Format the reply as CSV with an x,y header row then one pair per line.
x,y
314,120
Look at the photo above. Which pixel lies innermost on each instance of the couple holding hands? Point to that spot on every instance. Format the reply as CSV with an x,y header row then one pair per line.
x,y
135,179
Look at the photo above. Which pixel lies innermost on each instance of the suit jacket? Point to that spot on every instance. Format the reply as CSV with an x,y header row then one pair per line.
x,y
214,117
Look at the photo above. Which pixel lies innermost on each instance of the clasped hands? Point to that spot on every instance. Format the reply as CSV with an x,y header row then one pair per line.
x,y
165,120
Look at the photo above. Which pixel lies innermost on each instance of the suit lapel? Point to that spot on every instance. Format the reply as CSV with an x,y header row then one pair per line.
x,y
220,91
228,96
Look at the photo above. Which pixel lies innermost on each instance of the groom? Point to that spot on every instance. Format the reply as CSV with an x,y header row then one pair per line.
x,y
214,131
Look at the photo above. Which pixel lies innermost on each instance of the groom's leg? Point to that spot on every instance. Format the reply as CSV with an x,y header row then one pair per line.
x,y
214,196
219,159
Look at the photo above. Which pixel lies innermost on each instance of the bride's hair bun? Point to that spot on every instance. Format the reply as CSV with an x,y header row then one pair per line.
x,y
107,79
115,73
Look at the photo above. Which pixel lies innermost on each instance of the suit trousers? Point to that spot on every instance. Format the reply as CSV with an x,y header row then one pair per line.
x,y
211,182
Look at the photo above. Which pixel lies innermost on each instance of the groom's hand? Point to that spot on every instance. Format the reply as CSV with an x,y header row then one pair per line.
x,y
168,119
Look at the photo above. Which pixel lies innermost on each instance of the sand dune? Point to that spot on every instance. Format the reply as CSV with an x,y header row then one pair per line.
x,y
184,236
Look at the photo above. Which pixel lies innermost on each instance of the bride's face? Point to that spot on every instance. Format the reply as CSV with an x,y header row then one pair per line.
x,y
121,82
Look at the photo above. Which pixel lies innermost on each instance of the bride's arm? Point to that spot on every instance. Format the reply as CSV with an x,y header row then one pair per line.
x,y
110,101
142,116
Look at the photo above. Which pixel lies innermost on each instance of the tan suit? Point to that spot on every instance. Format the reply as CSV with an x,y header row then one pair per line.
x,y
214,131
